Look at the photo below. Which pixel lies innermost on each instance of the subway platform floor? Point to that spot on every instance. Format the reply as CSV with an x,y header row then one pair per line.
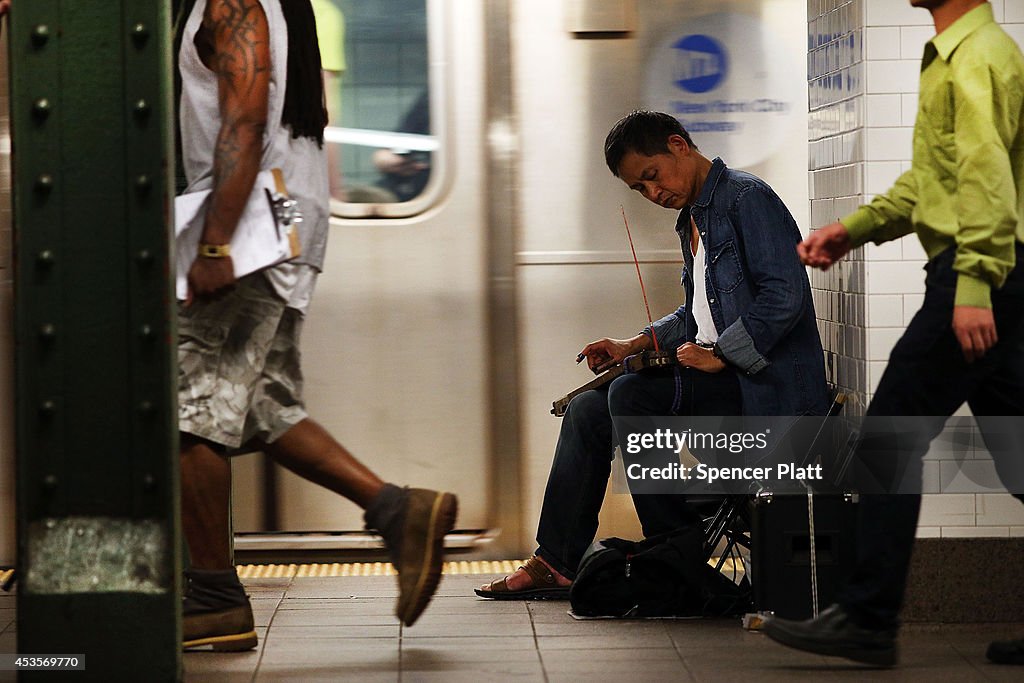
x,y
343,628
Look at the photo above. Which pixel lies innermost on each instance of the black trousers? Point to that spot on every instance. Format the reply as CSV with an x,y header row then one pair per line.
x,y
586,444
927,375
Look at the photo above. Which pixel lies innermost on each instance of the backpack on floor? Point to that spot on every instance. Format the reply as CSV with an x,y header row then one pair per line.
x,y
662,576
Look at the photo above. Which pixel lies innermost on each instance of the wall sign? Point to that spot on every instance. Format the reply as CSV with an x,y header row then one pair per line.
x,y
733,84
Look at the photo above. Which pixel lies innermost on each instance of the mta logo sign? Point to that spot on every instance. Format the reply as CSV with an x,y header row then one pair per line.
x,y
701,64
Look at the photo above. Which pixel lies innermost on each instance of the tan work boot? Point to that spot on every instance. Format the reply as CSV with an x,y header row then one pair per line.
x,y
216,612
226,630
413,523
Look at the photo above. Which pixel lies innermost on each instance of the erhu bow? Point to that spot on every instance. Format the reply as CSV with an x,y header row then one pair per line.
x,y
640,361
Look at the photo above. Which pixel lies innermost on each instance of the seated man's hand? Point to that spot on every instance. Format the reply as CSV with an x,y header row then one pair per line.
x,y
604,353
701,358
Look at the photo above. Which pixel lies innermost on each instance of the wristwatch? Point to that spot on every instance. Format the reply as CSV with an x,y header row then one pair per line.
x,y
716,351
214,250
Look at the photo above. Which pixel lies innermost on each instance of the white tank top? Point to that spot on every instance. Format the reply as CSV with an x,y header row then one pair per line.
x,y
303,163
707,333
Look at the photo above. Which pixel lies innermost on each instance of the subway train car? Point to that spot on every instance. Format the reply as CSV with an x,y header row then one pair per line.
x,y
450,312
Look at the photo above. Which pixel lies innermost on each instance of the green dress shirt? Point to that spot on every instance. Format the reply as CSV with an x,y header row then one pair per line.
x,y
965,186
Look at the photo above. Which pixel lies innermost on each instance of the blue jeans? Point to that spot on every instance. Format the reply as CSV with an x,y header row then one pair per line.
x,y
928,376
586,444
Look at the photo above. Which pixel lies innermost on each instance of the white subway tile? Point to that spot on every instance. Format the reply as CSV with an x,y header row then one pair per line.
x,y
891,76
883,110
894,13
889,144
1014,11
999,508
947,510
885,310
886,251
931,532
880,175
975,532
964,475
930,477
850,149
887,277
912,40
880,342
822,212
882,43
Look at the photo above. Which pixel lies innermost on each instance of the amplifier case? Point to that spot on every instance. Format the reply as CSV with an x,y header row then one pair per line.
x,y
780,551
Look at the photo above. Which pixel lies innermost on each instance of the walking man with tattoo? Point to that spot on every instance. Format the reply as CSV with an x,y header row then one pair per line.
x,y
252,100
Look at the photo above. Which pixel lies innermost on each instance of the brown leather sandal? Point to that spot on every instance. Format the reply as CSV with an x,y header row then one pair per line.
x,y
542,586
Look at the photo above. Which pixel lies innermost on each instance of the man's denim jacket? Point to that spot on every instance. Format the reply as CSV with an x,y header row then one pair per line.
x,y
758,292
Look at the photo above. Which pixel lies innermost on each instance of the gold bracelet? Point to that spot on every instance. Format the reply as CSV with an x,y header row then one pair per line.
x,y
214,250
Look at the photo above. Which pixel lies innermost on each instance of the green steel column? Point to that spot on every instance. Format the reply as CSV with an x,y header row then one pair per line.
x,y
98,530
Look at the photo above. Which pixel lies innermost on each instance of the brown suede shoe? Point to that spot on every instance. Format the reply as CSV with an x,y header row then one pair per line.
x,y
418,552
225,630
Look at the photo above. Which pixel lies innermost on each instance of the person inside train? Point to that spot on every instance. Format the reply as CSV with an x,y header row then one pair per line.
x,y
746,341
405,173
252,99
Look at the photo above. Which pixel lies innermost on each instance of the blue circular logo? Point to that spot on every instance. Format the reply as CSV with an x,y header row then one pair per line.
x,y
701,64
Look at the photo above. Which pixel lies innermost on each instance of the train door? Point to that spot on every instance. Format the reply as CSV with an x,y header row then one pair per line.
x,y
395,348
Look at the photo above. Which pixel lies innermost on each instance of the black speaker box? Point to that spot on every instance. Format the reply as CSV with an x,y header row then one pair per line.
x,y
780,553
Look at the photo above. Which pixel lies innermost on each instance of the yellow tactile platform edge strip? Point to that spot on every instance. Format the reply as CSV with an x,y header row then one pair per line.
x,y
259,571
287,571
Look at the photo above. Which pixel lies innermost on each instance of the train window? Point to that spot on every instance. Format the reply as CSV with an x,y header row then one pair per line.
x,y
382,144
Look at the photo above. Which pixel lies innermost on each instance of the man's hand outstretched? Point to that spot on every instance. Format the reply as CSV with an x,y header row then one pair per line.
x,y
824,246
604,353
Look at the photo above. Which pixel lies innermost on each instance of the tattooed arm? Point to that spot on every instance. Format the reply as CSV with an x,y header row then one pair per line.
x,y
234,42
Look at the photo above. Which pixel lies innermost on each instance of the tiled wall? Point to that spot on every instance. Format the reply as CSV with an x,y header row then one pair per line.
x,y
863,66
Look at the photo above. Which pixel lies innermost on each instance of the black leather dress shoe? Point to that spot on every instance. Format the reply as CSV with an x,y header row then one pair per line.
x,y
1006,652
832,633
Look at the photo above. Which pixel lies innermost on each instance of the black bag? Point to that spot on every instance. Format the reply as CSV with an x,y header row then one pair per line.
x,y
662,576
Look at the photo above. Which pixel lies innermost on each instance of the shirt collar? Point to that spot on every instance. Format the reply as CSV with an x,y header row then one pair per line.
x,y
947,41
708,189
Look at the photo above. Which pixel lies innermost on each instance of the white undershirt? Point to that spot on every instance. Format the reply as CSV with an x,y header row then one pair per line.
x,y
707,333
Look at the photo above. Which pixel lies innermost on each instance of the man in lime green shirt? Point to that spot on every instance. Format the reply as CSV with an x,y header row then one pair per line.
x,y
964,197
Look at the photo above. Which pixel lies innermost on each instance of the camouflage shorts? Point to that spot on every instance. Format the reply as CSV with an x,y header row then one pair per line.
x,y
238,366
